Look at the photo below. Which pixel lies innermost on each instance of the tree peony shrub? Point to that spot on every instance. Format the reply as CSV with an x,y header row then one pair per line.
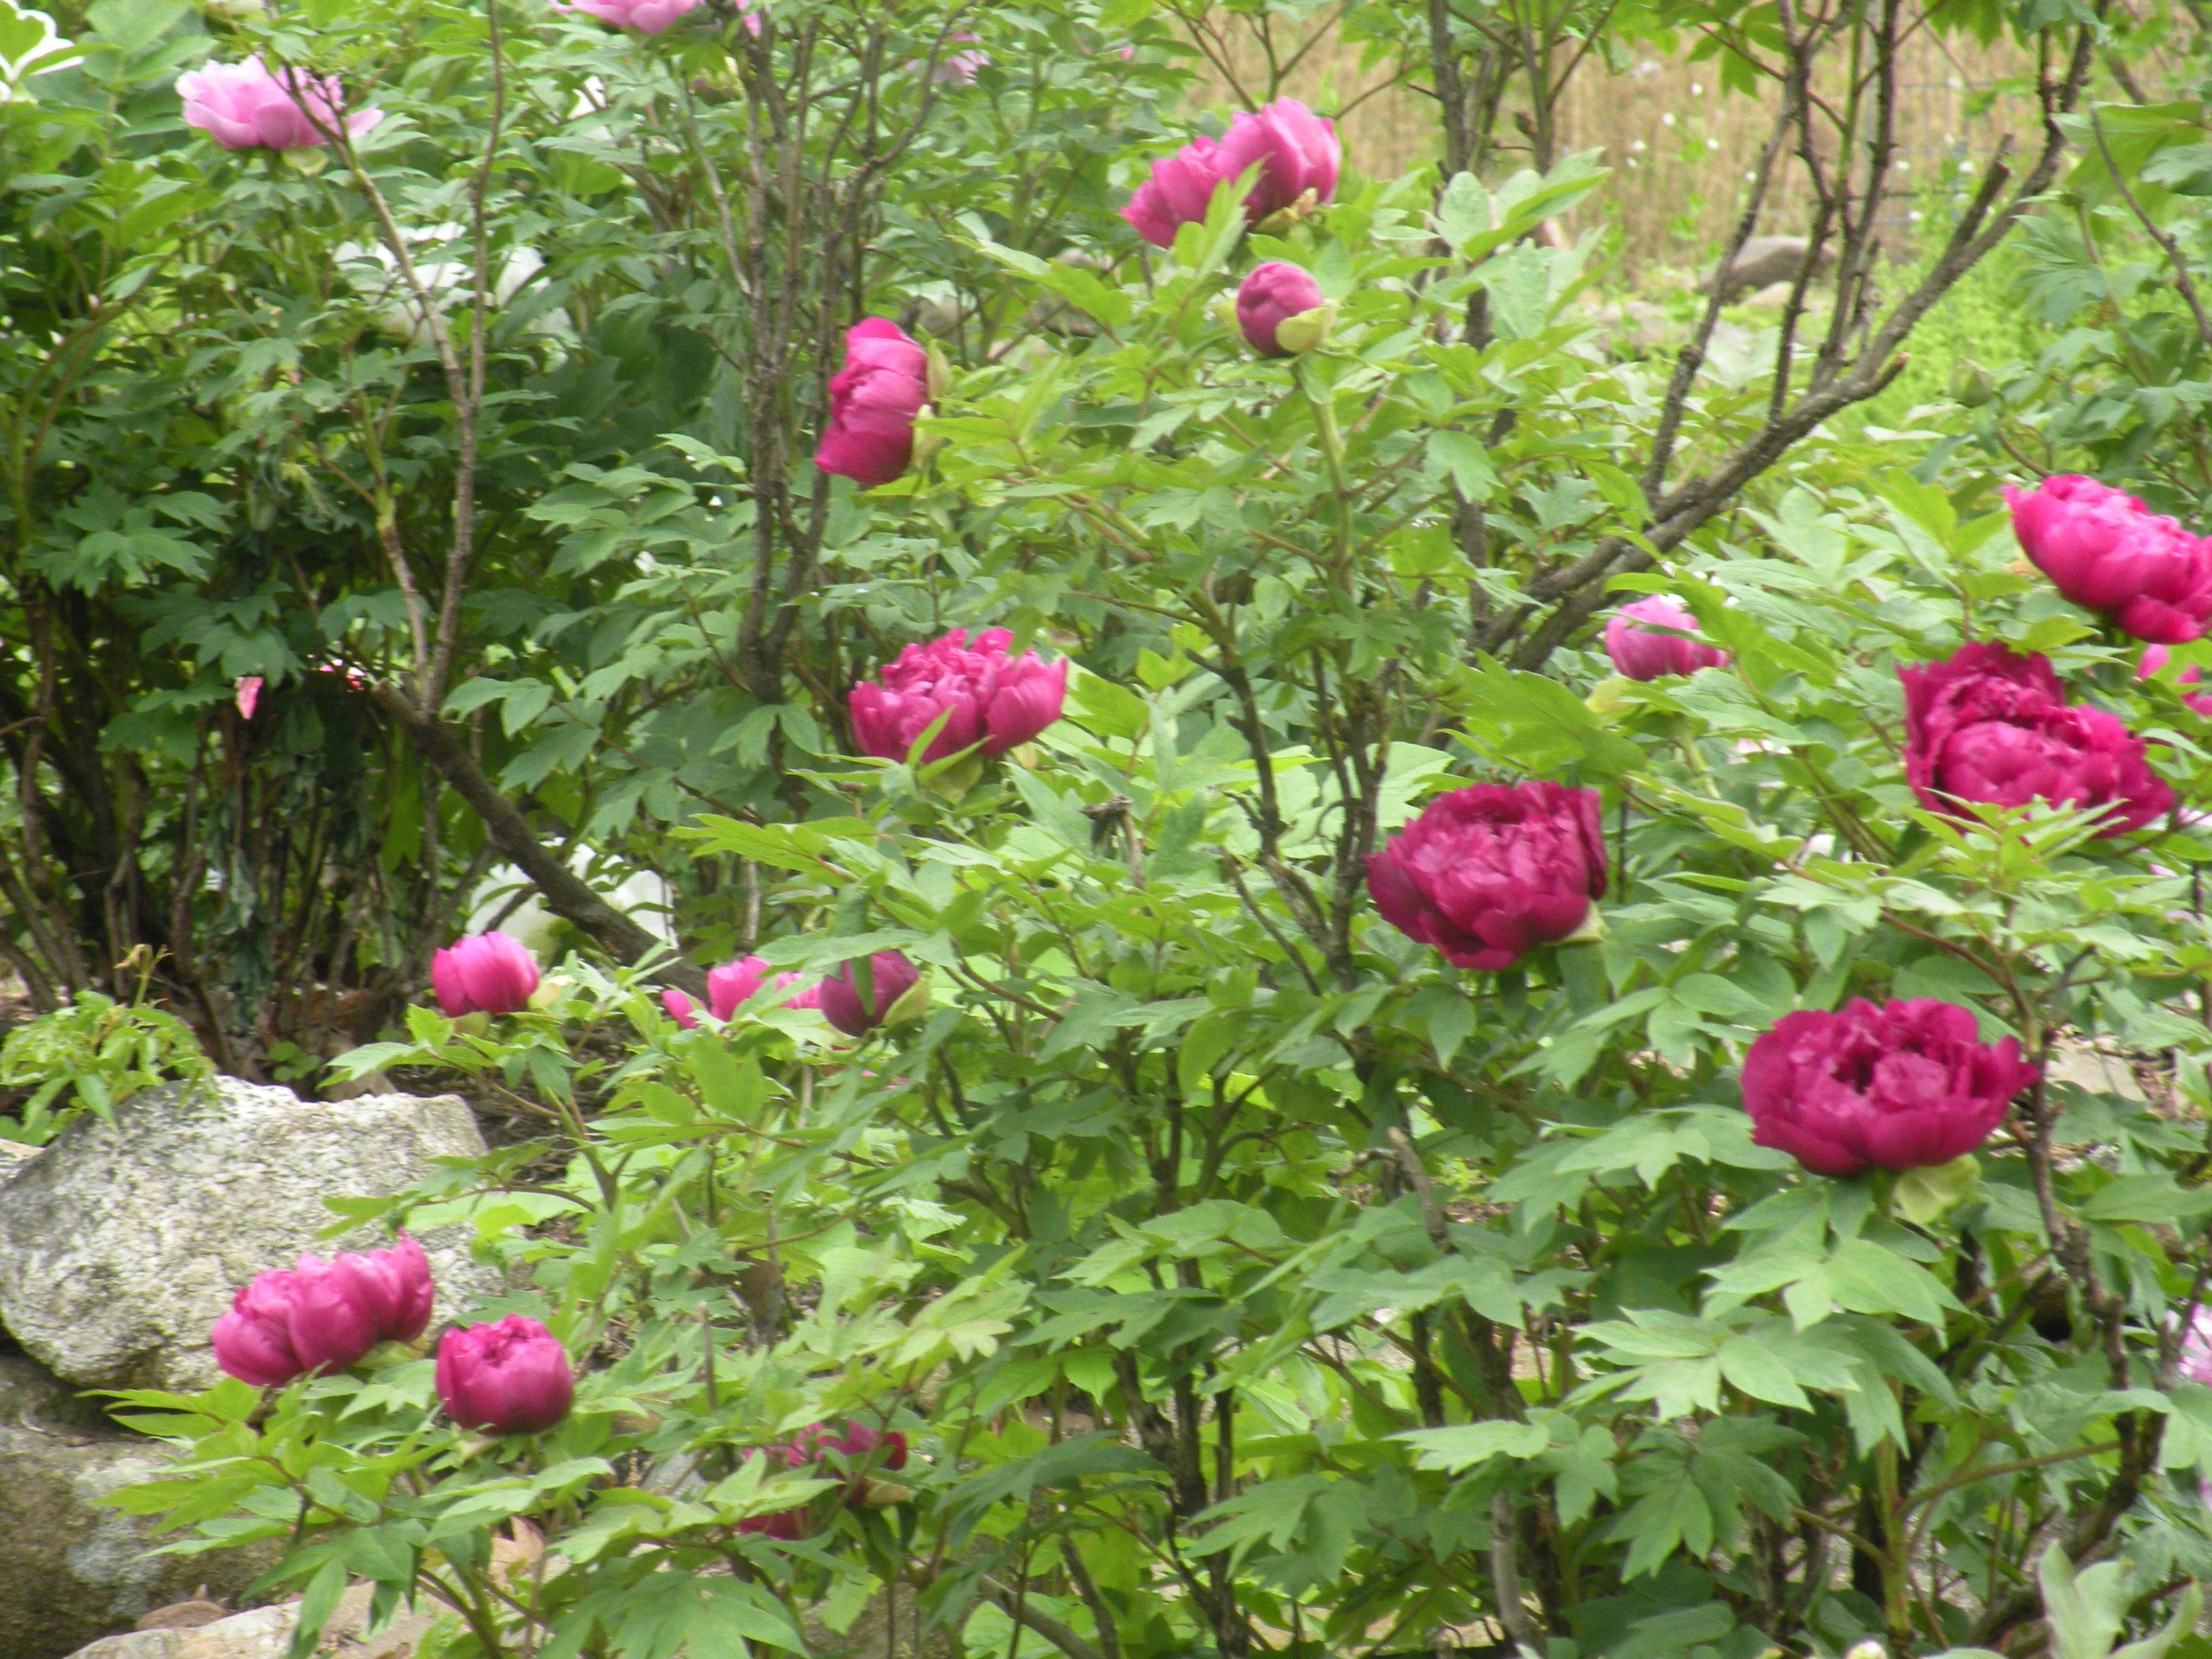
x,y
2107,552
874,400
987,697
508,1378
483,974
1488,872
1990,725
244,106
1641,648
1905,1086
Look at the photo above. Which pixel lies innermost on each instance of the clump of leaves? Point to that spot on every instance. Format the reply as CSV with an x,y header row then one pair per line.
x,y
90,1055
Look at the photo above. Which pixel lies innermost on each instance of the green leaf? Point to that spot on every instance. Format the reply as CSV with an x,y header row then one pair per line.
x,y
1467,1444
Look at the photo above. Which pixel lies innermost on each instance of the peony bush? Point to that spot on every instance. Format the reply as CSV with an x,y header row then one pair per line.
x,y
1283,1131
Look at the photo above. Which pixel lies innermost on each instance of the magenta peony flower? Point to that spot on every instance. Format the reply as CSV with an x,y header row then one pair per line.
x,y
1903,1086
510,1377
988,697
646,16
1992,725
842,1004
1489,871
1269,297
2107,552
1646,652
730,986
248,690
2154,658
244,106
483,974
323,1316
874,400
859,1443
1298,151
1177,193
2197,1349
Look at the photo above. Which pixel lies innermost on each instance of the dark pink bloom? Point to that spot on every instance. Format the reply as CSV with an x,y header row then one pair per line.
x,y
2107,552
858,1444
2154,658
1177,193
1904,1086
244,106
1992,725
1273,293
1298,149
646,16
987,697
874,400
253,1341
483,974
1488,872
323,1316
844,1006
1645,652
509,1377
730,986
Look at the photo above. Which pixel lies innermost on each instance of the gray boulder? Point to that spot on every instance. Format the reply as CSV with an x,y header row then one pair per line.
x,y
120,1246
70,1569
1763,261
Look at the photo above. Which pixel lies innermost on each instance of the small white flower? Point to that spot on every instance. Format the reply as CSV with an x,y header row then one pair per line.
x,y
1712,143
1667,119
1697,88
1637,145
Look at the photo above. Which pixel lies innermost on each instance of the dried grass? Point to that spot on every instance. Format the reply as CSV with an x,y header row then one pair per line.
x,y
1680,149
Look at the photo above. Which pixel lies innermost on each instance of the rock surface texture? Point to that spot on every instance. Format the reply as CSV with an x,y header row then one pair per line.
x,y
121,1245
70,1569
265,1632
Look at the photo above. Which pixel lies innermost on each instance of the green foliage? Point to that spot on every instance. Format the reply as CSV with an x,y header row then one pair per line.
x,y
91,1056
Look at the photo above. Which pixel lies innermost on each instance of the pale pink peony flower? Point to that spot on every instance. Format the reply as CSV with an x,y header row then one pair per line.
x,y
244,106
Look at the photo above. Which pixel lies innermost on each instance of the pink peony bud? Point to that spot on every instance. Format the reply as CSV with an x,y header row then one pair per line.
x,y
845,1007
2107,552
1906,1085
874,400
249,693
1298,149
1991,725
646,16
394,1285
1272,294
1645,652
483,974
319,1315
253,1341
1488,872
2154,658
510,1377
244,106
729,987
988,697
